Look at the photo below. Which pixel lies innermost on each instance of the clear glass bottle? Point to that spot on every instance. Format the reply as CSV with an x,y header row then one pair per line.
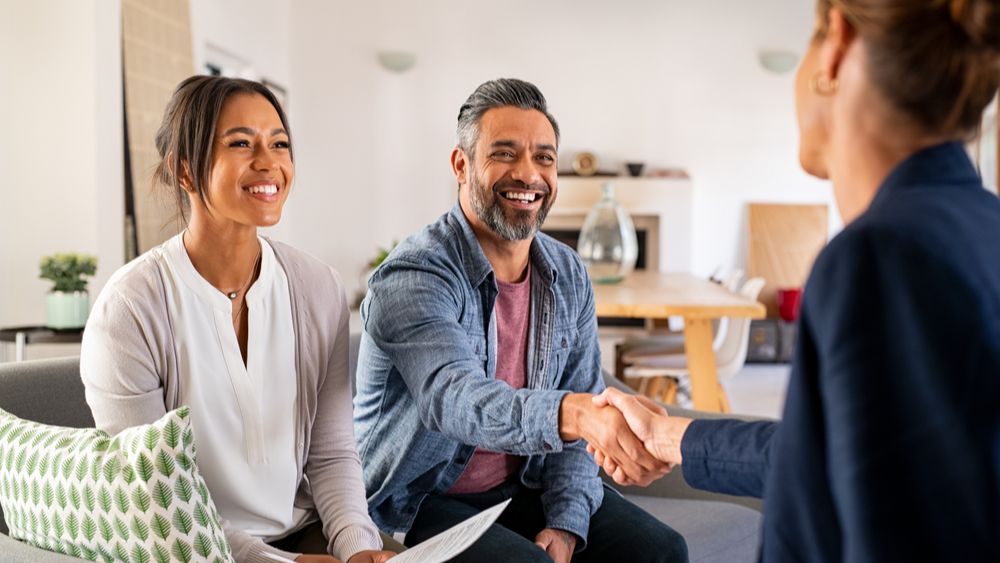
x,y
608,242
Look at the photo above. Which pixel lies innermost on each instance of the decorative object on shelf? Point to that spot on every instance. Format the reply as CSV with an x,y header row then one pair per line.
x,y
68,304
396,61
777,61
608,244
598,174
635,168
669,173
585,163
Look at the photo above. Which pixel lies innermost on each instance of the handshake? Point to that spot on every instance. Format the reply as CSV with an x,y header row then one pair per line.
x,y
630,436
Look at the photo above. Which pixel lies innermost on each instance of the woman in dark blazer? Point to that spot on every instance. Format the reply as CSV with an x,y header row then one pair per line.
x,y
889,446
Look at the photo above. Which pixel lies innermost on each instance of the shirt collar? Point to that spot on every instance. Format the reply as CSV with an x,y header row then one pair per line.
x,y
178,257
478,267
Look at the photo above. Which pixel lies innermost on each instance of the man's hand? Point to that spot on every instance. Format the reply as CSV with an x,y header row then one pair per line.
x,y
660,433
559,544
606,429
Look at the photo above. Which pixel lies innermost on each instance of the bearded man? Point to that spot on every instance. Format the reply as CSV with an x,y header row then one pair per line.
x,y
479,359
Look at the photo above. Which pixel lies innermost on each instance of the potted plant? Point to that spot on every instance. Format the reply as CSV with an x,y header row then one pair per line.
x,y
369,269
68,304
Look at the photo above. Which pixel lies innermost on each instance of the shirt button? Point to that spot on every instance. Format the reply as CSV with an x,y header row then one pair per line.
x,y
547,446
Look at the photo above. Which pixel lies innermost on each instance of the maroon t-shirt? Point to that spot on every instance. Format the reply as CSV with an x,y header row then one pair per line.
x,y
488,469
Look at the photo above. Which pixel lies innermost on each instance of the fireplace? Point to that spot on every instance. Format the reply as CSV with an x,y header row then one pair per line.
x,y
645,233
566,229
570,237
660,208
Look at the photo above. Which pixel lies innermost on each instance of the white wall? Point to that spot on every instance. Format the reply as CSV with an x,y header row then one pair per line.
x,y
668,83
60,71
255,31
61,153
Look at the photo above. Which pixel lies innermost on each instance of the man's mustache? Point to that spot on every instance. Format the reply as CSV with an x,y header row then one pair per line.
x,y
519,185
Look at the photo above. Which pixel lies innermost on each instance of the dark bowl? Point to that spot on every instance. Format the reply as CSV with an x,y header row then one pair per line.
x,y
634,168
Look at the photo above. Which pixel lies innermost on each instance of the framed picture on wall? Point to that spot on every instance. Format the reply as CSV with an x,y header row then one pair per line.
x,y
220,62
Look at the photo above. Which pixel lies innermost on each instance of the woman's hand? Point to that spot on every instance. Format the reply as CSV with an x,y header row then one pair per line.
x,y
371,556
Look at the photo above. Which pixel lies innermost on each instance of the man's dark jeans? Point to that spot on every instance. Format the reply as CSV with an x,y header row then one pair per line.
x,y
619,530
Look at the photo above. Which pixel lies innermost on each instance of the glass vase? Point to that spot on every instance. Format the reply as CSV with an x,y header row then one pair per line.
x,y
608,244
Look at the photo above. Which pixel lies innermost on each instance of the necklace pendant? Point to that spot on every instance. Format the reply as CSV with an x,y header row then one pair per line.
x,y
232,295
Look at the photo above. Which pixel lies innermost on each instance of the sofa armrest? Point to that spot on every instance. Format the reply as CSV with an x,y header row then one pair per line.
x,y
674,485
13,551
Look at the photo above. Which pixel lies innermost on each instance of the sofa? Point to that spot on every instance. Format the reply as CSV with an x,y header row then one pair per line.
x,y
47,391
718,528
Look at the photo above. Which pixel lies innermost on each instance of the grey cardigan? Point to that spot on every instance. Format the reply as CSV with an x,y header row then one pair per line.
x,y
129,367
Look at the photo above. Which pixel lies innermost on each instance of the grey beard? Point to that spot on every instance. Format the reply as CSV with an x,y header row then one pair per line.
x,y
492,214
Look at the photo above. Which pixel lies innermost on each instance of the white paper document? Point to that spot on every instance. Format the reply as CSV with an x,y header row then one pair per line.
x,y
445,545
452,541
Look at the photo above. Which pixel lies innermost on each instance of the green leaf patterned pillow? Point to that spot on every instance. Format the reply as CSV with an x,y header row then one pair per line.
x,y
135,497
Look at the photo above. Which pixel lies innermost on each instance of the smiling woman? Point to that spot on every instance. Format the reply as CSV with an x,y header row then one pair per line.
x,y
250,333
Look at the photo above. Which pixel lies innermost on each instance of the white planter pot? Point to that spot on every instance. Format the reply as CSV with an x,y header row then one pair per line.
x,y
65,310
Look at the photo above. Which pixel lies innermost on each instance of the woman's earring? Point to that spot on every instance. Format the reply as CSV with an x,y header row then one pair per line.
x,y
820,85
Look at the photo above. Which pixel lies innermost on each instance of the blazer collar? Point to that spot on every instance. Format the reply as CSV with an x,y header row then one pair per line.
x,y
942,166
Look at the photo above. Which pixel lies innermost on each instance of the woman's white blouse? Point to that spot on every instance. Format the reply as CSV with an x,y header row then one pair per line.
x,y
243,416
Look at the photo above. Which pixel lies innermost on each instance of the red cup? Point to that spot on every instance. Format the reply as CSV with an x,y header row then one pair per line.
x,y
789,299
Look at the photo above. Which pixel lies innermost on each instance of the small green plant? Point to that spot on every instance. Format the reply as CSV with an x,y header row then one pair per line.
x,y
382,254
68,271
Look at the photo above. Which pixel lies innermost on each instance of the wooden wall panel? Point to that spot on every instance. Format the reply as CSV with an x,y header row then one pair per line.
x,y
157,55
783,243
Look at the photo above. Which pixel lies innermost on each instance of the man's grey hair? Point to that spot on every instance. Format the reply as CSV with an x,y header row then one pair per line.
x,y
494,94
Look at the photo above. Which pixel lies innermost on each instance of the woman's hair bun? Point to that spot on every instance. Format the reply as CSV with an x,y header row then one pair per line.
x,y
980,19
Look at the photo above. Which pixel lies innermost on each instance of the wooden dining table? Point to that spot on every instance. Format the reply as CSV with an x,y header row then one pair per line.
x,y
660,295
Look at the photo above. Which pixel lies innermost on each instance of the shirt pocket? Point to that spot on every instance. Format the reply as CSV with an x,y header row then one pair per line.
x,y
564,343
477,346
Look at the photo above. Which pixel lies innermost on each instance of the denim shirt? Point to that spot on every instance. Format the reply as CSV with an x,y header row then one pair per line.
x,y
427,390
